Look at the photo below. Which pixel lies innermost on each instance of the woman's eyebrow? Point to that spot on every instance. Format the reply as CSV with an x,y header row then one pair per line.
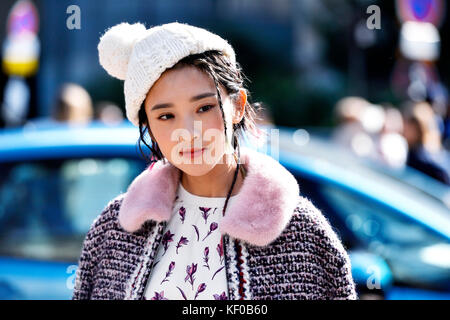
x,y
194,98
202,96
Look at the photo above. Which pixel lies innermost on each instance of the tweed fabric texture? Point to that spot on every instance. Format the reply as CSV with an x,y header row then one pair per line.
x,y
307,260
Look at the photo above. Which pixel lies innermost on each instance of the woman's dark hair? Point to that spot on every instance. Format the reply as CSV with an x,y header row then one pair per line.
x,y
219,67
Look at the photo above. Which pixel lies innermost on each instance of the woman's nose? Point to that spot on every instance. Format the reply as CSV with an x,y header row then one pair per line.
x,y
192,131
194,127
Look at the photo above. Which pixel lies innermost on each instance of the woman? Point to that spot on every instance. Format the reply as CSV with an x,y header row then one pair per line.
x,y
425,151
207,219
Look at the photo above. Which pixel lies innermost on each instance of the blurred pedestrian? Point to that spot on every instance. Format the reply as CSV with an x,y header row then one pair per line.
x,y
446,130
73,105
360,123
108,113
391,144
423,136
350,132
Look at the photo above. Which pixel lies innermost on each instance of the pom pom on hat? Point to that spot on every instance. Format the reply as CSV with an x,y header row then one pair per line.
x,y
116,45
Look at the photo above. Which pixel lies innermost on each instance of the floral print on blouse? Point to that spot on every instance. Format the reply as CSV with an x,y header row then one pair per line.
x,y
190,262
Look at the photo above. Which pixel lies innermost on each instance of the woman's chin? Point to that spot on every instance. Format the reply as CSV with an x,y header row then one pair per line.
x,y
196,170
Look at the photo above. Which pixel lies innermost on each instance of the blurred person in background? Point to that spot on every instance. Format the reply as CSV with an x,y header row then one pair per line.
x,y
446,135
392,146
371,131
350,132
424,140
73,105
108,113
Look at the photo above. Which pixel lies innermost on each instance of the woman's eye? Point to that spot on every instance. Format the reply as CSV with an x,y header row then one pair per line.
x,y
164,115
207,107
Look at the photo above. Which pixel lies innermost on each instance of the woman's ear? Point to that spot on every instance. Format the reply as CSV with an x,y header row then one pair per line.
x,y
239,106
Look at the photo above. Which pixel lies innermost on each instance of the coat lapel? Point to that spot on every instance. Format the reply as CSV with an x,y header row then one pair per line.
x,y
261,211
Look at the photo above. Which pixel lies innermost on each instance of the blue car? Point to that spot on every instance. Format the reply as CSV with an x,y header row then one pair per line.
x,y
395,223
55,182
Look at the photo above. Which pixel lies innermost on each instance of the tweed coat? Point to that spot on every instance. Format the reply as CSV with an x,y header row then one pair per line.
x,y
277,244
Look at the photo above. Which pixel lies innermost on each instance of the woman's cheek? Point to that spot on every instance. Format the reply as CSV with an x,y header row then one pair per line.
x,y
214,139
162,135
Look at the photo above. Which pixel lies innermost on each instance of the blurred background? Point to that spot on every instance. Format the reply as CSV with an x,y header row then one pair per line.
x,y
358,90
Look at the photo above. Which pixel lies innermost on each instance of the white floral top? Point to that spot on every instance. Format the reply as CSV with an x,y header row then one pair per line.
x,y
190,260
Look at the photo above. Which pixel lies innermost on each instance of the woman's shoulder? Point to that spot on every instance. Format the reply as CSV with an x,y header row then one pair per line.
x,y
325,242
309,223
311,246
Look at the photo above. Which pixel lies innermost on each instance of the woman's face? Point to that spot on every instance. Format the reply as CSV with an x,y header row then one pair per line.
x,y
183,113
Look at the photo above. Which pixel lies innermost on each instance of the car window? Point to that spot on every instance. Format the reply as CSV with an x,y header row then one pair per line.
x,y
47,207
415,253
371,222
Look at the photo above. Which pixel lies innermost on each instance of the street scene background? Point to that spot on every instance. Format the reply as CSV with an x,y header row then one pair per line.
x,y
356,90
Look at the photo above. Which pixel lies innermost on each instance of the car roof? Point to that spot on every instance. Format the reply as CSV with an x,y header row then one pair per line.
x,y
55,141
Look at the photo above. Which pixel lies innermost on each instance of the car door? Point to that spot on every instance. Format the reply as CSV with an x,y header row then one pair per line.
x,y
46,209
416,256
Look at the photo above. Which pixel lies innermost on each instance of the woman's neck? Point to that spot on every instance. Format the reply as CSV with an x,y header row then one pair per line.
x,y
215,183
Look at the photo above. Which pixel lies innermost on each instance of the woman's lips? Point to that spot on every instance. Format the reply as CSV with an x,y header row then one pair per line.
x,y
193,153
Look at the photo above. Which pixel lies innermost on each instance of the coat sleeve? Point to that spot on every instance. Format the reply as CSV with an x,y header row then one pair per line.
x,y
91,254
332,256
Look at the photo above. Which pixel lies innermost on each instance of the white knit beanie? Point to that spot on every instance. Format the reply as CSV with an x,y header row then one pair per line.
x,y
139,56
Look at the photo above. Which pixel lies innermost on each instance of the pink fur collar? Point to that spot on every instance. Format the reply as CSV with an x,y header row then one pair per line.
x,y
261,211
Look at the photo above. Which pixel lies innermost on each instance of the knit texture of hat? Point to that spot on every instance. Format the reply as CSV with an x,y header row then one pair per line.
x,y
139,56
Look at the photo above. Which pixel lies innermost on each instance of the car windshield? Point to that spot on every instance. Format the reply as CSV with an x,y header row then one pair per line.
x,y
47,207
